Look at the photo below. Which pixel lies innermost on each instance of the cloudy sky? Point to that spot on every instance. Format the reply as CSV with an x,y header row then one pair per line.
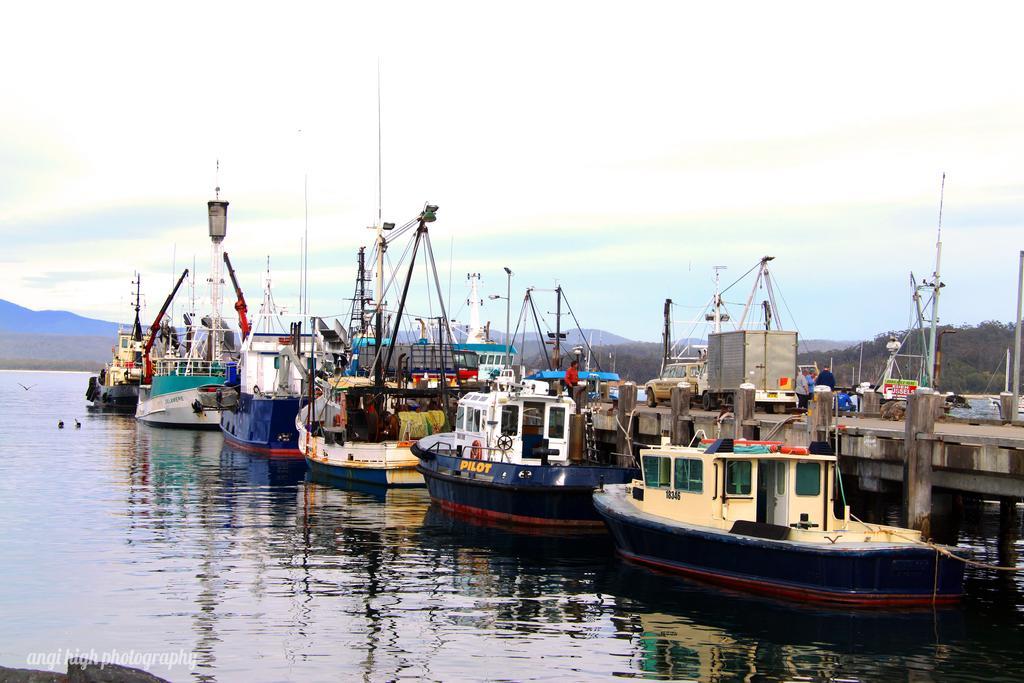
x,y
622,150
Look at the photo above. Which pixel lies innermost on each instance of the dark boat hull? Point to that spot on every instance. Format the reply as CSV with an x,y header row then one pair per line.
x,y
524,494
889,575
263,424
118,397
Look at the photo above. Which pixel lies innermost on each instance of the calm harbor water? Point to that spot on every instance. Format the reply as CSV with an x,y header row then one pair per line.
x,y
118,536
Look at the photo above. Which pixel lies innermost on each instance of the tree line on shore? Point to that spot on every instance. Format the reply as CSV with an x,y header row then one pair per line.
x,y
973,358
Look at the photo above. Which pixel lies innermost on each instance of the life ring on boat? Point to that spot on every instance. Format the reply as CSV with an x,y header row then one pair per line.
x,y
256,390
319,392
476,451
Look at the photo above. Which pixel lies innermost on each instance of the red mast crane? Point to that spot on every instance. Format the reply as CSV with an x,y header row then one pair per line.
x,y
243,320
148,378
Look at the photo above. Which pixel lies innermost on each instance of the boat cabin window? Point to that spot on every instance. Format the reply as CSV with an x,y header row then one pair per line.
x,y
533,417
460,418
808,478
466,359
737,478
475,417
556,423
510,420
124,343
657,471
689,475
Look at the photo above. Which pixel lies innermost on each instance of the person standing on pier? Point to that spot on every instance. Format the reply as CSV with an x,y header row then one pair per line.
x,y
826,379
803,390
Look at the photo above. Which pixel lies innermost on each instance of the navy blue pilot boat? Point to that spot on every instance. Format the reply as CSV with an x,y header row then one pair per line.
x,y
508,459
761,517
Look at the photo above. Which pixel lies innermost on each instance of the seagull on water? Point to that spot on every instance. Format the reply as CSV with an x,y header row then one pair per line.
x,y
60,424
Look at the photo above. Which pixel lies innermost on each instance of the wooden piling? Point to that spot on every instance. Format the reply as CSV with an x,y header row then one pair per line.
x,y
1007,411
870,402
580,396
627,402
743,410
577,437
919,441
679,434
821,416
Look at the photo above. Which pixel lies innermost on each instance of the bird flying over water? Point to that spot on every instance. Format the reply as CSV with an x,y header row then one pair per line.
x,y
24,387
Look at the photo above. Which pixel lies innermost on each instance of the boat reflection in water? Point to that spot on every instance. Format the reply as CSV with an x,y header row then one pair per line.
x,y
682,629
260,468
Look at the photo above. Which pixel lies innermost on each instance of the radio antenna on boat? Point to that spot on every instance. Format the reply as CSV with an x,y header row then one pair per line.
x,y
380,191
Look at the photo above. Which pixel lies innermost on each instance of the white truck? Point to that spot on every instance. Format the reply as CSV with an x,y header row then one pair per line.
x,y
765,358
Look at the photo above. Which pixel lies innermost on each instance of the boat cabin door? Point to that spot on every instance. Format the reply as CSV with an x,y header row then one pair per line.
x,y
772,499
533,426
557,429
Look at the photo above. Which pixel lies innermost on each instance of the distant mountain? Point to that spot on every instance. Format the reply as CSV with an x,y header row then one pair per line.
x,y
18,319
54,351
816,345
573,337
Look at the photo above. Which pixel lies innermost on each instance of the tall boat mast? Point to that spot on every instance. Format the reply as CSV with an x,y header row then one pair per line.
x,y
137,325
928,369
218,220
556,353
716,303
936,286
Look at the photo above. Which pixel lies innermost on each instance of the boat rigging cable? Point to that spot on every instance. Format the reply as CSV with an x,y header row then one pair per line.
x,y
585,340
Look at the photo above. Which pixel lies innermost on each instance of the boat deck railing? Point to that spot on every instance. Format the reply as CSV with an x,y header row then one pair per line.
x,y
188,366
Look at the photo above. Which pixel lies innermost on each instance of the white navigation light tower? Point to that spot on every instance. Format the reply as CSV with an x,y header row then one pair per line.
x,y
475,333
218,218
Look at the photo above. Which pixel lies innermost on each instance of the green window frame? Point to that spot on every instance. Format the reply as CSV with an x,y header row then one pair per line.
x,y
737,477
657,471
808,478
689,475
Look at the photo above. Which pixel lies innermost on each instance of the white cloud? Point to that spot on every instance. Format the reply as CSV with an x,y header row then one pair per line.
x,y
622,151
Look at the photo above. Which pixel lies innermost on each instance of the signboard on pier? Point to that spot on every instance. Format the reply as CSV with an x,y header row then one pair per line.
x,y
898,388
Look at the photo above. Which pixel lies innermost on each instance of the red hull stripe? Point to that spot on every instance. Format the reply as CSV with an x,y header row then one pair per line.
x,y
471,511
793,593
242,445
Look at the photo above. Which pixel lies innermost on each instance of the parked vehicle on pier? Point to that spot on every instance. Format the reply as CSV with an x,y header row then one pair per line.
x,y
760,516
659,390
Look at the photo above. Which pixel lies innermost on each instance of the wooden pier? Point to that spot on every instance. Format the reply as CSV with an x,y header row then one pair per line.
x,y
916,456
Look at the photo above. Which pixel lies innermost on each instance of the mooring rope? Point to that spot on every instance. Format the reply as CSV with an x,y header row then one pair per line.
x,y
940,549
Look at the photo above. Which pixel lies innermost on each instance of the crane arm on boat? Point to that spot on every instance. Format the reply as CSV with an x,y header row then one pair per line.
x,y
155,327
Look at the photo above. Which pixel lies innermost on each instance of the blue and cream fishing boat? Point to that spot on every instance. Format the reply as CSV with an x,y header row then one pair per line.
x,y
268,386
761,517
509,459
